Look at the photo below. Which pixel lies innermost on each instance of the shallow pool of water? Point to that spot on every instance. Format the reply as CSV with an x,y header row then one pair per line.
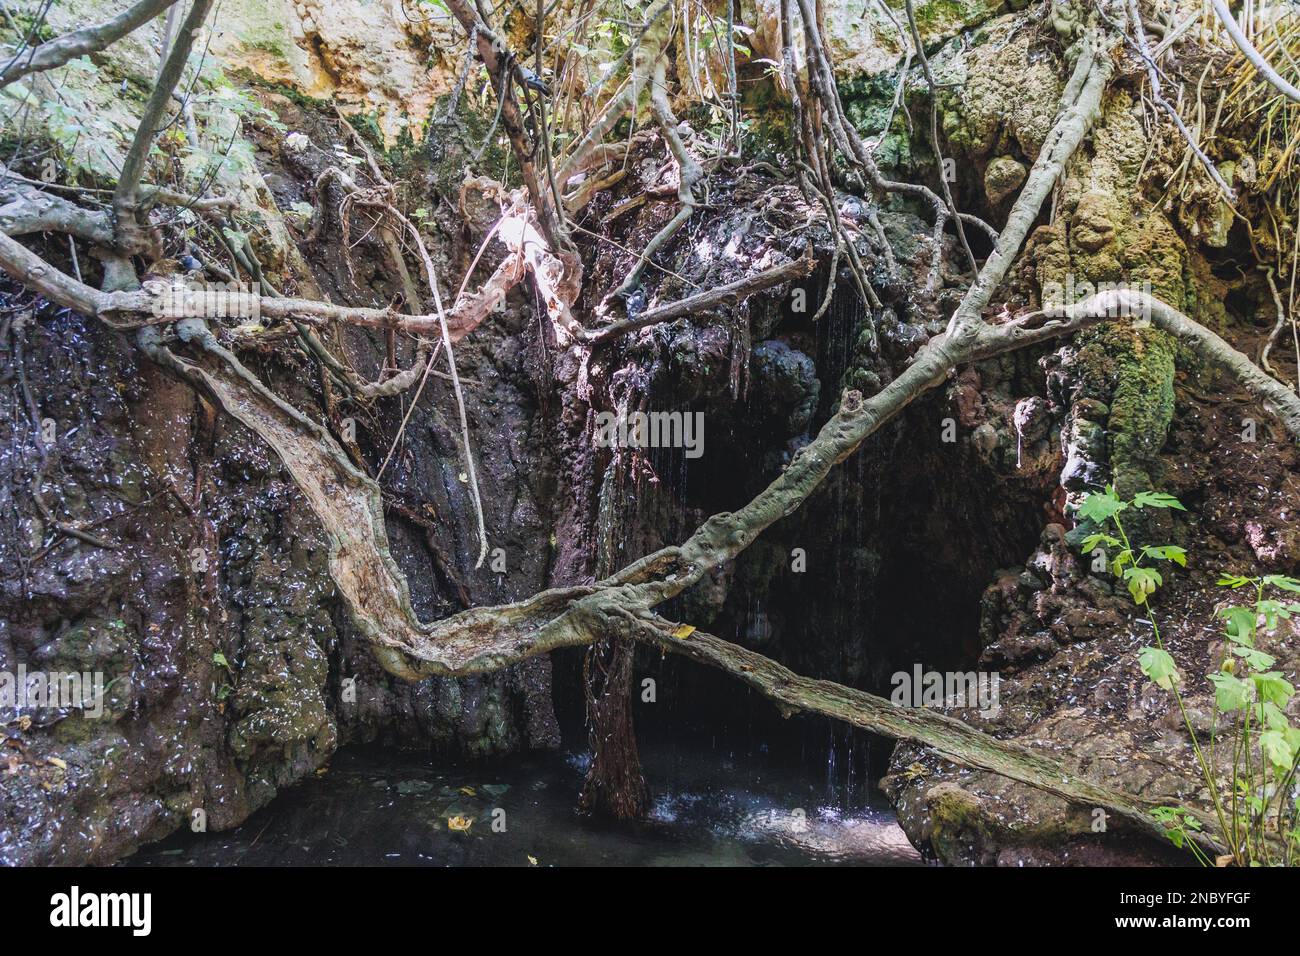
x,y
380,807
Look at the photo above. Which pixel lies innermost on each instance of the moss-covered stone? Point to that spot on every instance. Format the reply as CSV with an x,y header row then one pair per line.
x,y
1003,177
1004,94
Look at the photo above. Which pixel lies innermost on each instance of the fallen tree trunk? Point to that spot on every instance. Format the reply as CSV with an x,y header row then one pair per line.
x,y
946,736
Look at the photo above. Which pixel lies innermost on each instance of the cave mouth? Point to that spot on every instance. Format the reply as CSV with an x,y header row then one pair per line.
x,y
881,571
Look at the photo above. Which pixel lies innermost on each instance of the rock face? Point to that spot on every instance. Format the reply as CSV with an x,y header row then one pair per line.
x,y
1062,635
376,59
1065,641
202,596
231,669
868,39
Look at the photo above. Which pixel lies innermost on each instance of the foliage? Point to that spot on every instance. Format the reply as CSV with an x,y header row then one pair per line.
x,y
1255,799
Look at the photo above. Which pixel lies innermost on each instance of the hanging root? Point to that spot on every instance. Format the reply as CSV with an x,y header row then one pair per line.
x,y
821,83
689,175
1153,77
1265,69
350,508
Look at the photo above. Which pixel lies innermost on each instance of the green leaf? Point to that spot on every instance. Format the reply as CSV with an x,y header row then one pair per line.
x,y
1272,612
1272,686
1100,507
1142,583
1091,542
1169,552
1283,582
220,660
1231,693
1156,499
1159,667
1233,580
1277,748
1257,660
1240,625
1271,716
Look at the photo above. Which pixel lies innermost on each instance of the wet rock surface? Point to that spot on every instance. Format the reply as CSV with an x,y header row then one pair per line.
x,y
1064,639
232,671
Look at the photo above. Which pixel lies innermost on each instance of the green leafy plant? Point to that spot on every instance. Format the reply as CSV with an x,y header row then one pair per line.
x,y
1257,808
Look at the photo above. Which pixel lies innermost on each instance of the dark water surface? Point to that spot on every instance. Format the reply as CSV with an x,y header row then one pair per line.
x,y
383,807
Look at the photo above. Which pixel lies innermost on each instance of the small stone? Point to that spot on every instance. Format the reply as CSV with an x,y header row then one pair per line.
x,y
1002,177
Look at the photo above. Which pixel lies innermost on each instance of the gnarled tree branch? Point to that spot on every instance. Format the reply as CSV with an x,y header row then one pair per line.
x,y
54,53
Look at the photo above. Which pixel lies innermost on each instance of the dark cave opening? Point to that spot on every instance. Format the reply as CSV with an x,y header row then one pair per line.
x,y
882,570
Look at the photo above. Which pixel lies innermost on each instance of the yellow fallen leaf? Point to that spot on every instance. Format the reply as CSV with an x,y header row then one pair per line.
x,y
683,631
460,824
58,762
468,791
532,860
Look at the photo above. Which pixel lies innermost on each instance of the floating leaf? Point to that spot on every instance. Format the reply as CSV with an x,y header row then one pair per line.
x,y
411,787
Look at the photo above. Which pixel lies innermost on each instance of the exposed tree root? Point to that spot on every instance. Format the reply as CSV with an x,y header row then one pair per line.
x,y
159,302
132,234
350,508
689,174
1248,50
732,292
1153,77
950,738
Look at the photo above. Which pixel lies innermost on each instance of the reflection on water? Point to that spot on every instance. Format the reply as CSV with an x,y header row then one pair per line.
x,y
381,807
